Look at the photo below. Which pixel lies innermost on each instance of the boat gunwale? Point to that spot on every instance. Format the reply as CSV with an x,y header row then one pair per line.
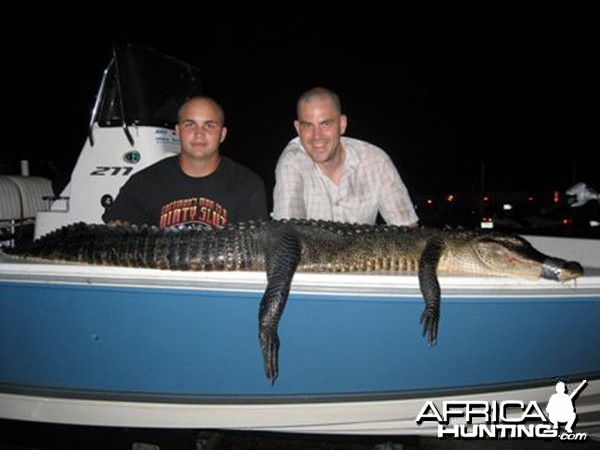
x,y
356,284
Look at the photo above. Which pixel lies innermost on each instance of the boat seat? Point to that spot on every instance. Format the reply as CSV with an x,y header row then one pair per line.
x,y
32,191
11,205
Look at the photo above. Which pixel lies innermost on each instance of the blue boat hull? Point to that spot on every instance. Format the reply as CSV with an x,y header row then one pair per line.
x,y
190,345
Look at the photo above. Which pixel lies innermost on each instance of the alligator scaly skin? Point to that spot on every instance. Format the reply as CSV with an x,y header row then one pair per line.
x,y
281,248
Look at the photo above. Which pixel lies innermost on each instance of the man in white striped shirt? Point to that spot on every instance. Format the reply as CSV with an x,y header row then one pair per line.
x,y
324,175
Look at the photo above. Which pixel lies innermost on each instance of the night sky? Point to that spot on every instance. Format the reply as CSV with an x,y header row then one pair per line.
x,y
442,96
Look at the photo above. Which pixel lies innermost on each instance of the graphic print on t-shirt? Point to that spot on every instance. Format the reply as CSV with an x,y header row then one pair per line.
x,y
193,210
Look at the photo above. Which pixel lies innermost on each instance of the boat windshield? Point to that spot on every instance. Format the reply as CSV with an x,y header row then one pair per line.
x,y
145,87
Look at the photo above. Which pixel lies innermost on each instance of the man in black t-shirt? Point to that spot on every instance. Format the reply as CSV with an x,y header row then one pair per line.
x,y
198,186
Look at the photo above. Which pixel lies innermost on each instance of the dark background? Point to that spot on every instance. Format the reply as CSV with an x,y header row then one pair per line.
x,y
442,91
445,93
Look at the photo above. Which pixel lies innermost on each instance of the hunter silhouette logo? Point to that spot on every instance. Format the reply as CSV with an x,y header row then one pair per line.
x,y
560,406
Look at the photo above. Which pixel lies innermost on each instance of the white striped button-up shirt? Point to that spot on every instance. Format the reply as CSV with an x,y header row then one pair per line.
x,y
370,184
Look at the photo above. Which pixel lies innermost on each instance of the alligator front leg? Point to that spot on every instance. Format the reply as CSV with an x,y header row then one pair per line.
x,y
430,288
282,258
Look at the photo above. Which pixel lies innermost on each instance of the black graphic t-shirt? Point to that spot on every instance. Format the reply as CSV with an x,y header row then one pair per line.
x,y
163,195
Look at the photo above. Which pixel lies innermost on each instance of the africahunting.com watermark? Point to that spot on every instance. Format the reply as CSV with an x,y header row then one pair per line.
x,y
509,419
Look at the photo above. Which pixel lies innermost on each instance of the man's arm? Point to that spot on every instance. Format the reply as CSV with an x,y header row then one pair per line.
x,y
395,204
252,205
126,207
288,195
117,222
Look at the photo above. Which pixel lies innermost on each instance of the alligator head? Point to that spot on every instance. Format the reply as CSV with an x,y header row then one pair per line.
x,y
505,255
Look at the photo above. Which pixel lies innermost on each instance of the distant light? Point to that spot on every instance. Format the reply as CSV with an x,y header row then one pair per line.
x,y
530,199
487,222
594,223
507,207
567,221
486,198
556,196
450,197
429,201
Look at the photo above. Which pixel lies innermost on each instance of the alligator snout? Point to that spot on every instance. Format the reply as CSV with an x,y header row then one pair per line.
x,y
560,270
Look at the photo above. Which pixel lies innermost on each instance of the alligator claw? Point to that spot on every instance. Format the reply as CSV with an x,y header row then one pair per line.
x,y
269,343
430,321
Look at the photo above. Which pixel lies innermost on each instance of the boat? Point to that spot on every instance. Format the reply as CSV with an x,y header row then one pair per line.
x,y
147,348
131,347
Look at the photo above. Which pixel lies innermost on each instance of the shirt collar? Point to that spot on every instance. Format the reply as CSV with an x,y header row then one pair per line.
x,y
351,154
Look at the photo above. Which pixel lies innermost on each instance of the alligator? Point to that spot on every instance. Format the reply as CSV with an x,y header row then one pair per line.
x,y
282,248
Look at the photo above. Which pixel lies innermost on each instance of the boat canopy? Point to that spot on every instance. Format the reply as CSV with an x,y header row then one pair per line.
x,y
142,86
